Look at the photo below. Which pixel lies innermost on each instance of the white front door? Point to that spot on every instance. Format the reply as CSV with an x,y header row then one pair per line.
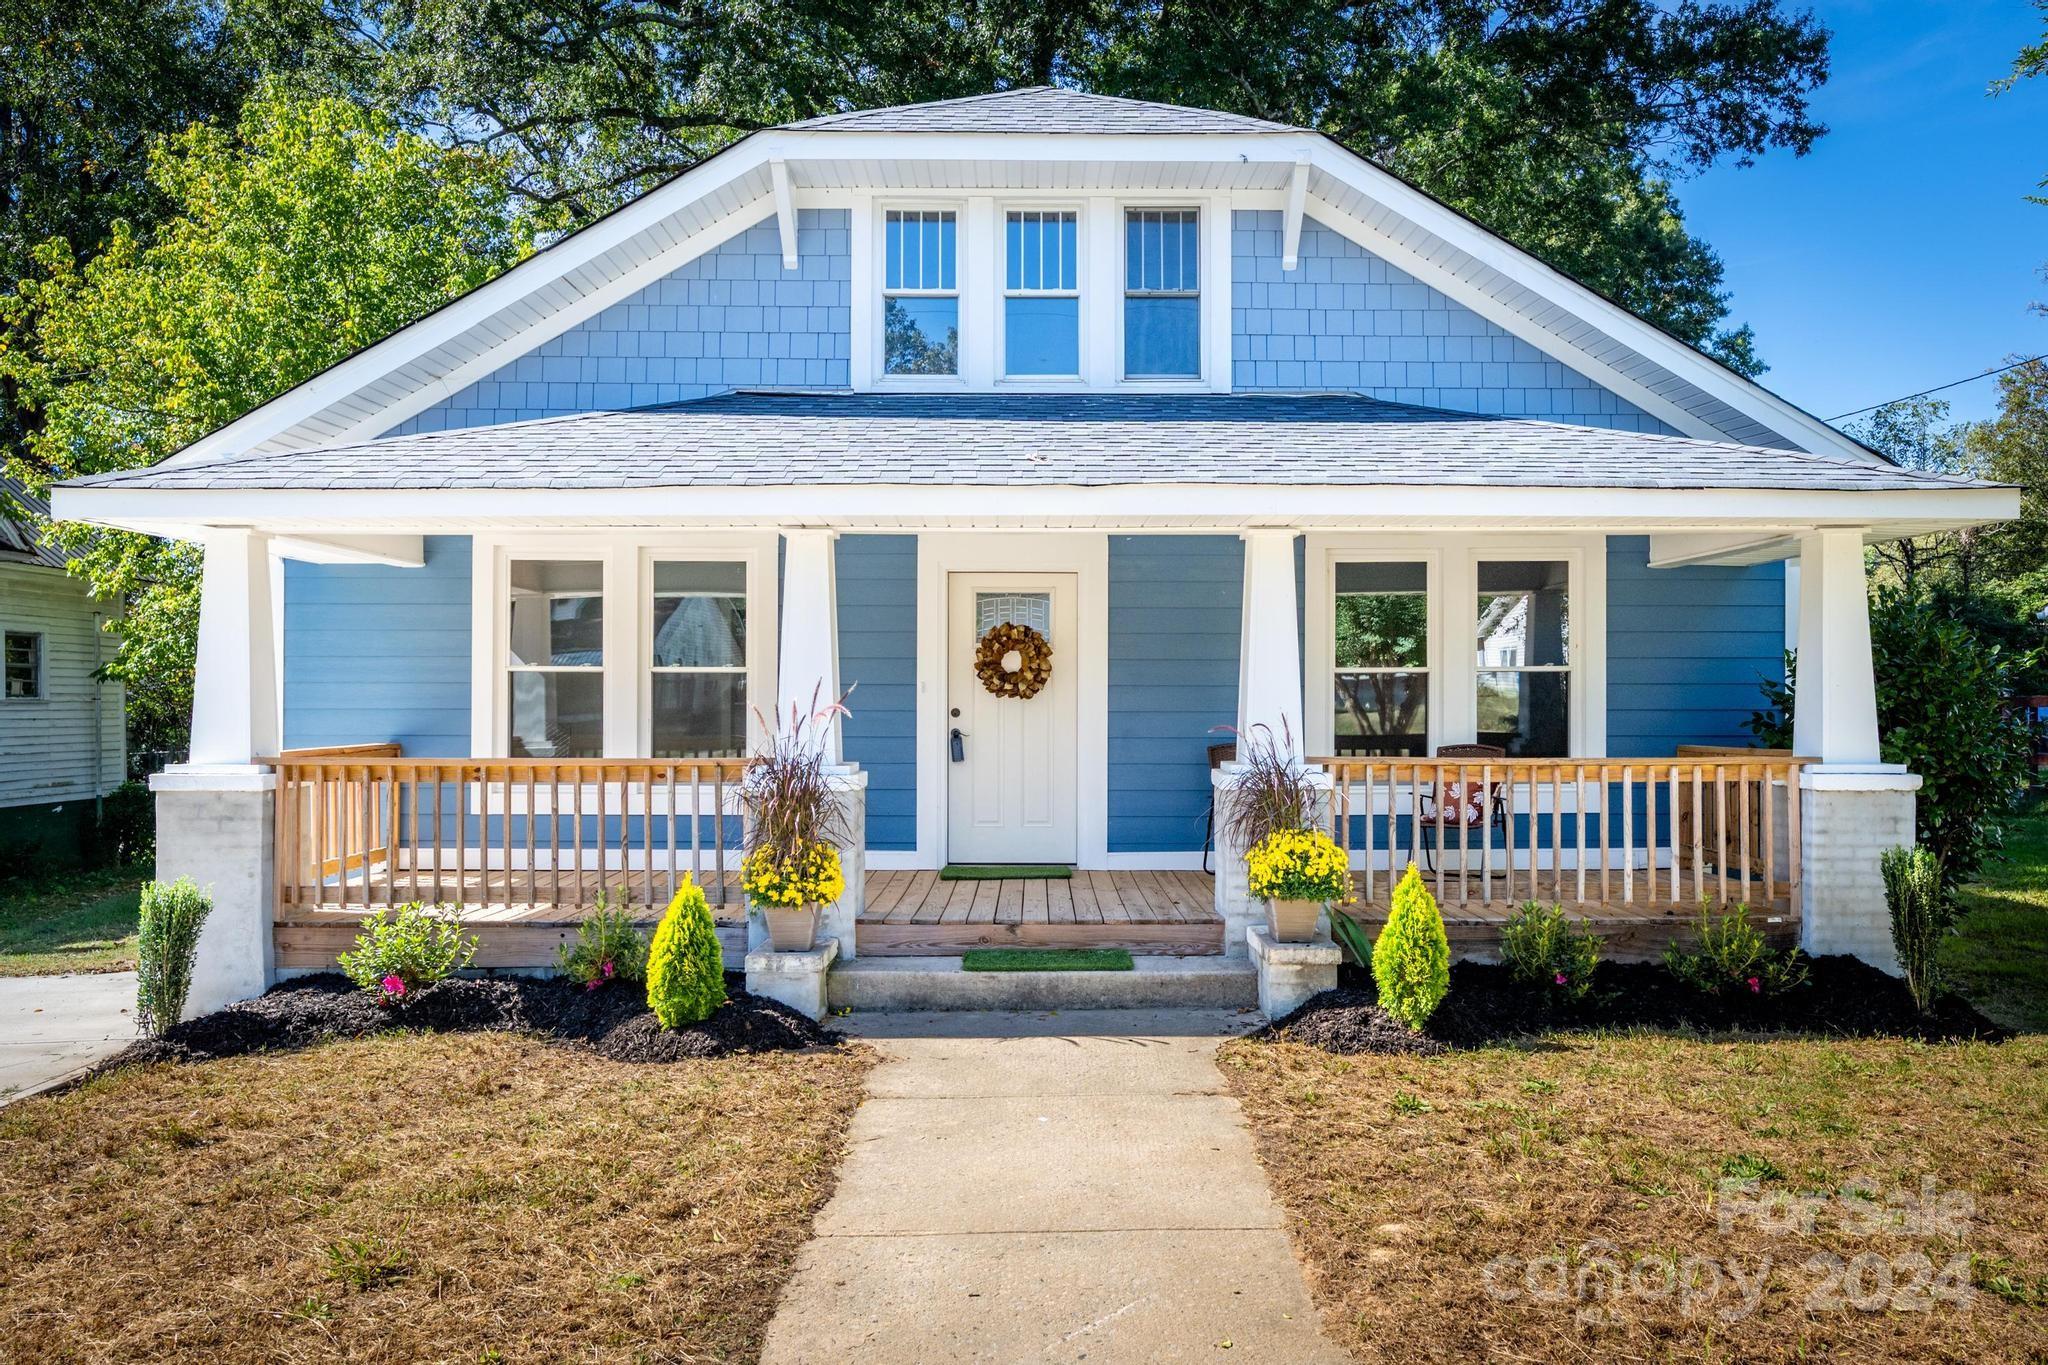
x,y
1010,788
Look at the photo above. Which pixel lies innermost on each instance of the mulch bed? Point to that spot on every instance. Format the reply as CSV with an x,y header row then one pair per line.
x,y
1842,998
613,1021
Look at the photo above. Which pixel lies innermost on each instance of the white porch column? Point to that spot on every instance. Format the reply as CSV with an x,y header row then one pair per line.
x,y
1853,806
808,660
1269,646
216,815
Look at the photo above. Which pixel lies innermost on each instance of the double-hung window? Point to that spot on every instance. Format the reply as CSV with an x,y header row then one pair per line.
x,y
697,655
23,658
1524,662
1162,294
1041,294
920,292
555,659
1382,659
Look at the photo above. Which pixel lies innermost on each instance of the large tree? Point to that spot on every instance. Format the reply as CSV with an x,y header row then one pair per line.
x,y
1559,123
306,231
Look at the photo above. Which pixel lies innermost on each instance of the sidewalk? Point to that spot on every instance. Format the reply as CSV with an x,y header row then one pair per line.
x,y
1049,1188
51,1026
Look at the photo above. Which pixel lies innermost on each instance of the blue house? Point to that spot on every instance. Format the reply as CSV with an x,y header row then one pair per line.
x,y
1231,428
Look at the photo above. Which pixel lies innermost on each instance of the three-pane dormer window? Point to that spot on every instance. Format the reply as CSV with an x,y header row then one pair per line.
x,y
921,293
1162,294
1041,294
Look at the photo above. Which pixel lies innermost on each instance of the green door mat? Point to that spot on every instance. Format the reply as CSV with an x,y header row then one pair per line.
x,y
1004,872
1046,960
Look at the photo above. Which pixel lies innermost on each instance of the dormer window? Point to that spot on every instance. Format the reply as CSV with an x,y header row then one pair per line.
x,y
921,293
1162,294
1041,294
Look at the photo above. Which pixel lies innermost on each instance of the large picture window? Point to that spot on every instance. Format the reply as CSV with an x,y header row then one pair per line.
x,y
1162,294
697,653
1381,631
921,298
1041,294
555,659
1524,656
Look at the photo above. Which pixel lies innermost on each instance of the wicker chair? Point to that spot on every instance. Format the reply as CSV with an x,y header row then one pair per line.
x,y
1467,806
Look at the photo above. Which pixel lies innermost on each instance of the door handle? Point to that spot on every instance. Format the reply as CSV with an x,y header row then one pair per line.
x,y
958,742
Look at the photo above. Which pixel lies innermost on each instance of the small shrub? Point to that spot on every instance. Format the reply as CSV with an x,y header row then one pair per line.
x,y
1921,913
1732,958
398,954
608,947
1411,960
1544,948
1297,865
167,942
685,967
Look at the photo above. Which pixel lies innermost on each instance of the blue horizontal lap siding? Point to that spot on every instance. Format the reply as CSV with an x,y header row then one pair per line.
x,y
1344,319
731,318
877,584
1173,639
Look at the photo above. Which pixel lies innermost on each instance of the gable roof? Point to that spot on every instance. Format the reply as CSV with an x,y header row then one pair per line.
x,y
1038,109
18,543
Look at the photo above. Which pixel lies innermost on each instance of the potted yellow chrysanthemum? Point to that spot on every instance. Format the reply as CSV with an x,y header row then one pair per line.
x,y
1296,872
792,867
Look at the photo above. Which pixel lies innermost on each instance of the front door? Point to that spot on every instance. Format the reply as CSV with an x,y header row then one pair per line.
x,y
1010,792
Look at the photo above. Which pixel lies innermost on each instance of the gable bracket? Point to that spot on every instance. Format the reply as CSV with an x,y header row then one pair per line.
x,y
785,210
1297,205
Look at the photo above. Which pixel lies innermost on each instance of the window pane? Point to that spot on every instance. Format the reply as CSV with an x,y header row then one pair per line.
x,y
1013,252
1524,618
921,336
1383,714
557,613
918,249
1382,616
1528,714
557,715
1042,336
1162,337
700,715
700,615
24,667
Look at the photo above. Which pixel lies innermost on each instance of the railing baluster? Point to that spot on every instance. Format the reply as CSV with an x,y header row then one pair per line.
x,y
1767,794
1721,828
670,824
1628,835
1699,845
1370,820
718,826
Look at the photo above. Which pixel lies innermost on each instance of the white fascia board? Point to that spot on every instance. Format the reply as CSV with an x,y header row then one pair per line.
x,y
1678,549
1140,505
398,552
1103,148
1710,377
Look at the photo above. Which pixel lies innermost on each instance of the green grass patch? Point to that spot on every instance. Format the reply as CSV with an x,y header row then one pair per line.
x,y
1004,872
1046,960
76,922
1998,957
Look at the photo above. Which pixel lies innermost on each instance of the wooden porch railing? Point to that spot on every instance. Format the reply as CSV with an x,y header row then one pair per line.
x,y
361,829
1656,834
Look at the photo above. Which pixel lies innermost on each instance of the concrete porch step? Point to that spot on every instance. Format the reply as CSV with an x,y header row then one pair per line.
x,y
939,983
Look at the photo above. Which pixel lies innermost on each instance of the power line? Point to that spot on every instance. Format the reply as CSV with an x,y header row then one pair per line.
x,y
1967,379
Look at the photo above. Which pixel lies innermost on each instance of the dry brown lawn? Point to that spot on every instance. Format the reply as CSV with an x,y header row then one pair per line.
x,y
1406,1178
441,1197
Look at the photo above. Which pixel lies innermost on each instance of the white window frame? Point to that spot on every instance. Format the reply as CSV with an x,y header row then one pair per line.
x,y
966,282
39,660
649,558
1432,563
1206,212
1571,669
1001,331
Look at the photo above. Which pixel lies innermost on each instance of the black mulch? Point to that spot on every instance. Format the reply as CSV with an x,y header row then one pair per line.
x,y
613,1020
1843,998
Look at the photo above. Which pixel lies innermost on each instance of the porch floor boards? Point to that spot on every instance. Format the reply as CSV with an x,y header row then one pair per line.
x,y
911,914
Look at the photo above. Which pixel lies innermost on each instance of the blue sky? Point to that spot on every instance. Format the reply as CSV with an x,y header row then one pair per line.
x,y
1901,252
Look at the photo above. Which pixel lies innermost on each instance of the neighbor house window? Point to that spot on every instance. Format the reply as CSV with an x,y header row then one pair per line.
x,y
555,659
1041,294
1524,656
1382,659
24,666
1162,294
920,299
698,656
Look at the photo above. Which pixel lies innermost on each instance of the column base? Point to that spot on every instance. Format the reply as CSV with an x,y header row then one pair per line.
x,y
1849,815
797,980
216,823
1290,973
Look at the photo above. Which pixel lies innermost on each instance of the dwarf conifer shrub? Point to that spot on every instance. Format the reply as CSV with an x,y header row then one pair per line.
x,y
685,967
1544,948
1411,959
1921,914
167,941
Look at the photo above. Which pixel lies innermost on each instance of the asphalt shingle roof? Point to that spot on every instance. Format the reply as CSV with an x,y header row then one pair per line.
x,y
1038,109
955,439
18,544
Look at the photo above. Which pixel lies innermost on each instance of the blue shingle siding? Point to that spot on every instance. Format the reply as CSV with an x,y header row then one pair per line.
x,y
877,581
1344,319
1173,637
732,318
373,653
1686,649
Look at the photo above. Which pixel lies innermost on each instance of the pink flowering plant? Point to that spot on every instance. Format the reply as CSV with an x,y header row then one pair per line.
x,y
1546,949
401,952
609,947
1731,957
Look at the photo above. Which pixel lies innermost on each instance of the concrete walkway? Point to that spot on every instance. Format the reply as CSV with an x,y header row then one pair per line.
x,y
52,1026
1059,1187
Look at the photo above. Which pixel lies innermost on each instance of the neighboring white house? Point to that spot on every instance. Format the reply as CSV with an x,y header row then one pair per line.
x,y
62,732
